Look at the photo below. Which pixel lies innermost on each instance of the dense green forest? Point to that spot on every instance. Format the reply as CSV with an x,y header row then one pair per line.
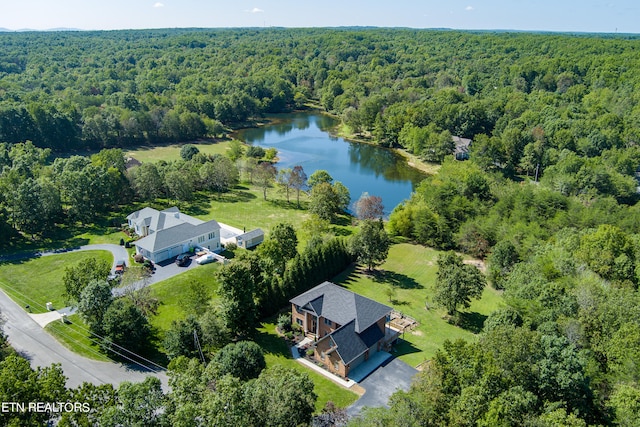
x,y
548,199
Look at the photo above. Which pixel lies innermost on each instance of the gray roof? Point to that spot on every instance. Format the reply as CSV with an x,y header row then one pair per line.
x,y
160,220
251,234
342,306
350,344
168,237
462,144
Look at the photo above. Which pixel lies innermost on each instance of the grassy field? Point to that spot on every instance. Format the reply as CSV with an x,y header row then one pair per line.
x,y
75,336
37,281
411,271
171,292
172,152
244,207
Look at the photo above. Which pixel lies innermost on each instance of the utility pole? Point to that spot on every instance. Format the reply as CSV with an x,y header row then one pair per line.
x,y
197,343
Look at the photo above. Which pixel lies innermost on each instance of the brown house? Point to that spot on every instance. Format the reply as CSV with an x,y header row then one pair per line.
x,y
347,328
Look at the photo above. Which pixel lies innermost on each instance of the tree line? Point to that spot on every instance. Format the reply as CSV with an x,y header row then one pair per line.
x,y
527,100
234,388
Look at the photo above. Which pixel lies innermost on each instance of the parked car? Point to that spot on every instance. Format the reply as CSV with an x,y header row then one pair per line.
x,y
120,267
205,259
182,260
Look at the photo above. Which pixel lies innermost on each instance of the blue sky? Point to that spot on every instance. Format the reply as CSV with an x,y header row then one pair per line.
x,y
540,15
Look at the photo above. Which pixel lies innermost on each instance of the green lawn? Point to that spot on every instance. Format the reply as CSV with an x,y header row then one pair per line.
x,y
244,207
411,270
172,152
277,352
170,293
75,337
37,281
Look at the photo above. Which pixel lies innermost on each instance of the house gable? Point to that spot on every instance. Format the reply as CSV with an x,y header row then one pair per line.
x,y
341,306
171,229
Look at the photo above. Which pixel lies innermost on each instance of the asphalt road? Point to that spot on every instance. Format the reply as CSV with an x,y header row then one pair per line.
x,y
382,383
41,349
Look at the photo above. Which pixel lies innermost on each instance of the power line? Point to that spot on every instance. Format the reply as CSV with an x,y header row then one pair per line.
x,y
54,351
103,339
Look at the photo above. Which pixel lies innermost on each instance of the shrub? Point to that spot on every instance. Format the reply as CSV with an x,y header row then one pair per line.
x,y
231,246
284,322
244,360
255,152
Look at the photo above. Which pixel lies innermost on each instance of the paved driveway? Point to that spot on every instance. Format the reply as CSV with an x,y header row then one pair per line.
x,y
382,383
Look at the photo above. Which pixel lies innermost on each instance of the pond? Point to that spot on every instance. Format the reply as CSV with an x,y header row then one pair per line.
x,y
304,139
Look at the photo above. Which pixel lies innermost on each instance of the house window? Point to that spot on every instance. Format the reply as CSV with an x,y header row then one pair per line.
x,y
200,239
299,322
336,365
322,355
212,236
327,321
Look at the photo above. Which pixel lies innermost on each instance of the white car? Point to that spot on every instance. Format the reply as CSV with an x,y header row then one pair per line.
x,y
205,259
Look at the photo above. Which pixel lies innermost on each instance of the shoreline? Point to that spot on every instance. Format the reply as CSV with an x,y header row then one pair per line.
x,y
338,131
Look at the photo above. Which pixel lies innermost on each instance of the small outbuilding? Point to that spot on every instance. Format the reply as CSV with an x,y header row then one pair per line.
x,y
463,145
250,239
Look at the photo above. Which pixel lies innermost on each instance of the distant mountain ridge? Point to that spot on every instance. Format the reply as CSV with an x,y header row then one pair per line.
x,y
24,30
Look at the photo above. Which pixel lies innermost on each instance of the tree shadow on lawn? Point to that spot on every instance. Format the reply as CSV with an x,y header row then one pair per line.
x,y
397,280
338,231
343,220
472,322
273,344
237,195
283,204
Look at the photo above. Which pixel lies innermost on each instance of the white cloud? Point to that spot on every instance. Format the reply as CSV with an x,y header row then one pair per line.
x,y
158,5
255,10
469,8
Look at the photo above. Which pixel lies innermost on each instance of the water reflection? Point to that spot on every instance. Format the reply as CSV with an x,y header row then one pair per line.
x,y
304,139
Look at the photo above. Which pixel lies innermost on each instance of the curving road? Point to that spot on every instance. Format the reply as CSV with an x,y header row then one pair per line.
x,y
41,349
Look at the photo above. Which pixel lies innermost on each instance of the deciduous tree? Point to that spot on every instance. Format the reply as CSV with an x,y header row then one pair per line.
x,y
94,302
371,243
369,207
243,360
77,277
126,326
456,283
264,176
282,397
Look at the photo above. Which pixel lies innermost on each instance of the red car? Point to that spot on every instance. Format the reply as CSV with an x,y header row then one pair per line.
x,y
120,266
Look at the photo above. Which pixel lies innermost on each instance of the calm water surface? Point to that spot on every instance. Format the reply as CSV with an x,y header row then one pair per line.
x,y
304,139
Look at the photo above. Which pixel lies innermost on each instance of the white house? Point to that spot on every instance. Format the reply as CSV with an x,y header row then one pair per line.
x,y
168,233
